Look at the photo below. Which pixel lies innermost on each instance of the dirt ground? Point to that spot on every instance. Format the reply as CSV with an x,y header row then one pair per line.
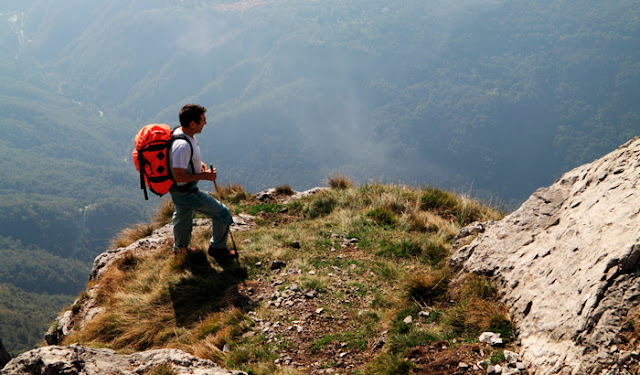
x,y
297,321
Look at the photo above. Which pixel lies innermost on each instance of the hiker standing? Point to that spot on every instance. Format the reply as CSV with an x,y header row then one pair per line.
x,y
187,169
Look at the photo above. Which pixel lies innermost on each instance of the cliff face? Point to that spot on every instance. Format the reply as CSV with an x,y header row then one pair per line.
x,y
4,355
567,262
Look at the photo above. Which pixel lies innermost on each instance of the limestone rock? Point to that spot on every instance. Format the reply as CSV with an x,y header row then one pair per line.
x,y
80,360
490,338
270,194
567,264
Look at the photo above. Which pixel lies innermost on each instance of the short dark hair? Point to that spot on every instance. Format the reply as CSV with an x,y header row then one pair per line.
x,y
191,112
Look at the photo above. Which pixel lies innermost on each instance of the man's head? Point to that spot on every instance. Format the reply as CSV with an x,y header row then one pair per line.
x,y
192,114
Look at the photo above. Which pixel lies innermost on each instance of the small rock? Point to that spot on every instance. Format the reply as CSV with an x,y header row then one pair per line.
x,y
311,294
490,338
319,311
511,357
463,366
226,348
408,320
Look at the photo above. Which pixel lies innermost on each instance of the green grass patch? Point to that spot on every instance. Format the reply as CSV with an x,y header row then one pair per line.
x,y
389,364
265,208
354,340
322,206
438,200
383,217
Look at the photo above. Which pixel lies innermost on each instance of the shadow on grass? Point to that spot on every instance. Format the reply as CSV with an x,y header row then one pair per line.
x,y
206,290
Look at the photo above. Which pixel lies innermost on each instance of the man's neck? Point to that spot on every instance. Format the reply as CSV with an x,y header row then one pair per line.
x,y
186,131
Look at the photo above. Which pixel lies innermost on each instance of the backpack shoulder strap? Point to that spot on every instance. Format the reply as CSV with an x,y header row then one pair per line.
x,y
184,138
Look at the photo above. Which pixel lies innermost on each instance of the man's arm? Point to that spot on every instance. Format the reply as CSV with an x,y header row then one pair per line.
x,y
181,175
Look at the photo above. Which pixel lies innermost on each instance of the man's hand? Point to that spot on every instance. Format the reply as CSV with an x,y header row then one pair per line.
x,y
212,173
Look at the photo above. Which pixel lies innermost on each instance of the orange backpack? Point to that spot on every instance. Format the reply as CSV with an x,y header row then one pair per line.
x,y
151,158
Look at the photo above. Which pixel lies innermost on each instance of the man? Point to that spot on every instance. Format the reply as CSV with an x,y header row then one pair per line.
x,y
185,194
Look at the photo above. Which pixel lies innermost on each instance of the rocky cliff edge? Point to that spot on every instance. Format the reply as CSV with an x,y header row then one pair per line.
x,y
567,262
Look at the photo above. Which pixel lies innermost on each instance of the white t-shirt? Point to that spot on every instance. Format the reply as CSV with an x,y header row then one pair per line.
x,y
180,153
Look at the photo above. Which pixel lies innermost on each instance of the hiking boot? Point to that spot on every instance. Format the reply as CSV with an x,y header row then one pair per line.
x,y
183,251
222,253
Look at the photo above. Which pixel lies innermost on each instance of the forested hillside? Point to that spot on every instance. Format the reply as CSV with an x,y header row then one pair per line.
x,y
491,97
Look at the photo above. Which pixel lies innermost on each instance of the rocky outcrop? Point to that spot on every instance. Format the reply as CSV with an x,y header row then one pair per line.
x,y
80,360
272,194
567,262
4,355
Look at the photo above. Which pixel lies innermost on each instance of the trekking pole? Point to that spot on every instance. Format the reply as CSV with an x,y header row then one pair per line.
x,y
215,184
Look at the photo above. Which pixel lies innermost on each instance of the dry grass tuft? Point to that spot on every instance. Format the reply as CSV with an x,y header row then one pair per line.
x,y
111,282
284,190
130,235
164,213
428,287
232,192
339,181
477,308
